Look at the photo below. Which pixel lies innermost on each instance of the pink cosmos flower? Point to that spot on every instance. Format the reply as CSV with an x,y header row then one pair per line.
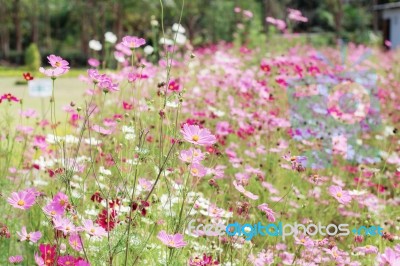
x,y
145,184
92,229
342,196
196,135
82,262
22,199
64,225
39,260
53,210
173,241
304,240
58,62
53,72
296,15
32,236
28,113
368,249
269,213
66,261
93,62
191,155
102,130
390,257
198,170
15,259
241,189
75,242
60,200
133,41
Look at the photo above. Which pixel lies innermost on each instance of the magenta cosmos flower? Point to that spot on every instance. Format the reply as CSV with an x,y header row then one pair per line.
x,y
32,236
342,196
22,199
58,62
15,259
173,241
133,41
196,135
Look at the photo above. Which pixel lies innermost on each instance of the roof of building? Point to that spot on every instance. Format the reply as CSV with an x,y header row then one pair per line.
x,y
387,6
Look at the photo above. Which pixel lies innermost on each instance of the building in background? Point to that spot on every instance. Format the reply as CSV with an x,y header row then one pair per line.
x,y
390,24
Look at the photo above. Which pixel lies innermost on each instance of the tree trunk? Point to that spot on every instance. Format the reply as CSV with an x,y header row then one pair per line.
x,y
35,27
17,25
4,32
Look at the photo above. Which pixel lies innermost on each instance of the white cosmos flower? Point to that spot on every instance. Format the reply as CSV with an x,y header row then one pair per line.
x,y
148,49
104,171
110,37
180,38
178,28
166,41
95,45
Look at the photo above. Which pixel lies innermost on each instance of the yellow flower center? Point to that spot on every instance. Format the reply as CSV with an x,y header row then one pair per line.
x,y
62,202
339,194
195,171
21,202
92,230
195,138
171,243
58,64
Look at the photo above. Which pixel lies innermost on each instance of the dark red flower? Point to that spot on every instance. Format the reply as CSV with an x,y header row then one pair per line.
x,y
107,219
96,197
141,207
27,76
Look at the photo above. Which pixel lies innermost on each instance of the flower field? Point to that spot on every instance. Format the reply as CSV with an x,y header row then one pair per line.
x,y
213,136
